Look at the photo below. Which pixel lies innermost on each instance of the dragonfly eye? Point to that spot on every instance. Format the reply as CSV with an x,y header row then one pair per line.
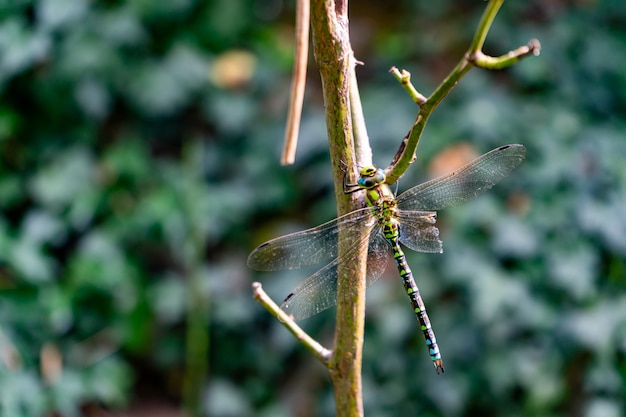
x,y
371,177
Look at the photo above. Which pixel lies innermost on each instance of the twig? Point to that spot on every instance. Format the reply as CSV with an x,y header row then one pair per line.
x,y
298,82
512,57
404,78
319,351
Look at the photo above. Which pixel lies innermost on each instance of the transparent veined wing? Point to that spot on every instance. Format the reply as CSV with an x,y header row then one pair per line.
x,y
308,247
464,184
319,291
418,231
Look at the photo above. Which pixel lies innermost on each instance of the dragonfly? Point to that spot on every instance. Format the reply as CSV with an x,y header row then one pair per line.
x,y
383,226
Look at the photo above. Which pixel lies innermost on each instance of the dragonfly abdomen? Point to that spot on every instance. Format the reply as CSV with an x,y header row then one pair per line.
x,y
416,301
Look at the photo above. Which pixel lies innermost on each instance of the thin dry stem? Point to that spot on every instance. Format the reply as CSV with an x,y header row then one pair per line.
x,y
298,82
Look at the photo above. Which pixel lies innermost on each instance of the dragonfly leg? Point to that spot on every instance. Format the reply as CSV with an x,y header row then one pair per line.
x,y
348,188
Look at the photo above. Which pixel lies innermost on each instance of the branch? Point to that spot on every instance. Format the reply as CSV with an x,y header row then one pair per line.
x,y
335,61
473,57
320,352
350,146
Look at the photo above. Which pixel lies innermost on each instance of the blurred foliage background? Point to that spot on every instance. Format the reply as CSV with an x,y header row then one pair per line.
x,y
139,147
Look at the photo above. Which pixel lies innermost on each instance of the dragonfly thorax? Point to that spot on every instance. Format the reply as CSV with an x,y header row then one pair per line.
x,y
370,177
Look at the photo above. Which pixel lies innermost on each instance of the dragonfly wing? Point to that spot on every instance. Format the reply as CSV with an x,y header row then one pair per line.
x,y
314,295
378,255
418,231
305,248
319,291
466,183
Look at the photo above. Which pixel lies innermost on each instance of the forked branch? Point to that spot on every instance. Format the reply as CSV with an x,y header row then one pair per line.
x,y
473,57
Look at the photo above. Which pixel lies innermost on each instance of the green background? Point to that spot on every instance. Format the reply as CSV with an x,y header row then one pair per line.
x,y
136,175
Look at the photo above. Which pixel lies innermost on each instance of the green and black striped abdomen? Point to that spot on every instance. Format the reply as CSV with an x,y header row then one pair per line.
x,y
390,231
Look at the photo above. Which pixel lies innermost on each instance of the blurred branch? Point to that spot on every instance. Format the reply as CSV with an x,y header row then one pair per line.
x,y
319,351
298,82
473,57
197,342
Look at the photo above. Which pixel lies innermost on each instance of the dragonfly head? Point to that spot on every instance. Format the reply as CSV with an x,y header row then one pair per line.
x,y
370,177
